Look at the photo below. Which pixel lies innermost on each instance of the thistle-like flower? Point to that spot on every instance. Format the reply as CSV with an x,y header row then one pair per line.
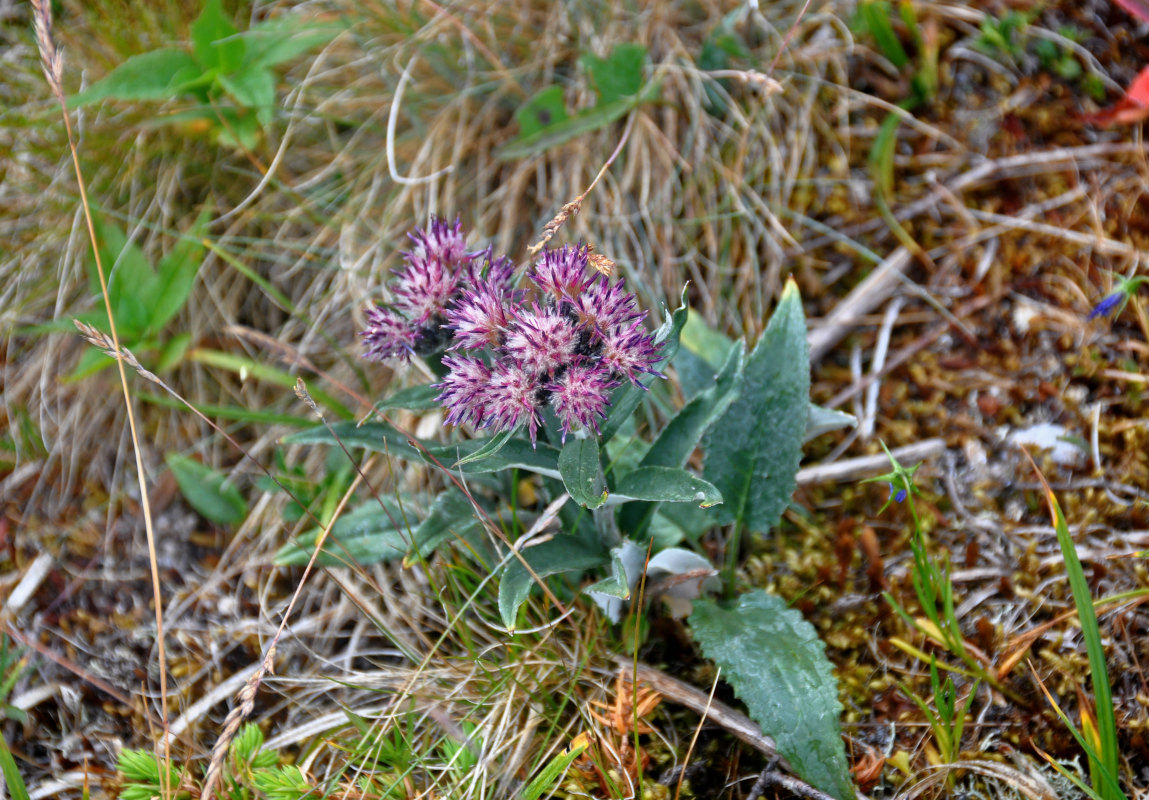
x,y
463,390
541,341
388,335
513,397
561,274
629,351
603,306
480,318
580,396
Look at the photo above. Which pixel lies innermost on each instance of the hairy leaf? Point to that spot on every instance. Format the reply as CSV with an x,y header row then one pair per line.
x,y
753,451
778,667
665,485
582,472
562,554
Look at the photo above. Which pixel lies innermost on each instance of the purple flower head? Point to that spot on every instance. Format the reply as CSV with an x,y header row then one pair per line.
x,y
513,396
388,335
1107,306
423,289
496,272
561,274
602,306
480,318
464,390
439,243
629,351
541,341
580,396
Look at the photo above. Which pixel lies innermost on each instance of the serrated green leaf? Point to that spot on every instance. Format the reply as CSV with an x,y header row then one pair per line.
x,y
176,274
215,43
581,472
207,490
158,75
564,553
281,39
618,75
543,110
753,451
369,534
778,668
665,485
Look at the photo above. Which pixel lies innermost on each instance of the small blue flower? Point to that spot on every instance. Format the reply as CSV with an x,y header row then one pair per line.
x,y
898,494
1108,305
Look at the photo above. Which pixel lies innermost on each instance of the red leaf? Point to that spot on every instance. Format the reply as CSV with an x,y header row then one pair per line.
x,y
1138,8
1134,106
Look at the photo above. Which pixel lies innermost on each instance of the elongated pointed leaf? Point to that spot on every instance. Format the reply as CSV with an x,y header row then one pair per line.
x,y
778,667
564,553
281,39
665,485
753,451
451,515
158,75
176,274
369,534
582,472
214,40
412,398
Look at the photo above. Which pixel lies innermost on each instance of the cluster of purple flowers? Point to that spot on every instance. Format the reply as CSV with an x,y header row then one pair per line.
x,y
567,341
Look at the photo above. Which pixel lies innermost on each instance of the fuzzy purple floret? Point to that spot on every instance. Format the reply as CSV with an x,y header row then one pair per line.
x,y
513,399
629,351
603,306
388,335
561,274
463,392
479,319
581,395
541,341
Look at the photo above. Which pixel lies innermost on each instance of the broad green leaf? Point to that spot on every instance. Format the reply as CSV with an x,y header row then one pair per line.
x,y
618,75
778,668
176,274
591,120
543,110
239,128
626,398
158,75
215,42
701,355
207,490
564,553
412,398
369,534
451,515
665,485
541,458
581,472
753,451
281,39
172,352
252,88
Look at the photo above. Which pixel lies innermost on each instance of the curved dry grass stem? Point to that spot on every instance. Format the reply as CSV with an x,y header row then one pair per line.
x,y
53,69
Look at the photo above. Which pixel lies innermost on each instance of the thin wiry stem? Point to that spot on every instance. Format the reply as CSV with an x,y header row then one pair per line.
x,y
53,69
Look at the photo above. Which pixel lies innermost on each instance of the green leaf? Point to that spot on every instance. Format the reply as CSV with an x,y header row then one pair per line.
x,y
377,437
618,75
876,19
214,40
176,274
412,398
451,516
158,75
702,353
821,420
778,667
253,87
541,458
281,39
488,447
12,777
666,485
369,534
564,553
581,472
132,283
548,777
208,491
543,110
753,451
590,120
92,360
